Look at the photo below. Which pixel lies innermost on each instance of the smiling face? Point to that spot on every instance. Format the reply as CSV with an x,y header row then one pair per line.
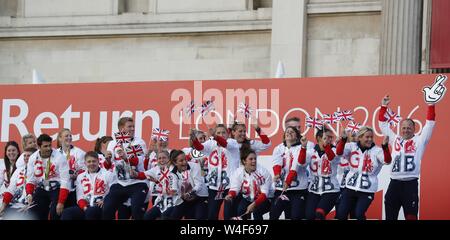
x,y
407,129
30,142
250,163
129,128
181,163
46,149
239,133
65,138
290,136
12,153
92,164
163,158
366,140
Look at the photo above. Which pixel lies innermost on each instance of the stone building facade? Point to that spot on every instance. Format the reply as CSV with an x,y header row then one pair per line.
x,y
151,40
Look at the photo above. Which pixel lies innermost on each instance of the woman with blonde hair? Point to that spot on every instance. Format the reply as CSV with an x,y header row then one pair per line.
x,y
75,159
365,162
28,141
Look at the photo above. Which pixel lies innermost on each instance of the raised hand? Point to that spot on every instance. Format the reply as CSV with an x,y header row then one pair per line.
x,y
304,141
435,93
386,100
343,134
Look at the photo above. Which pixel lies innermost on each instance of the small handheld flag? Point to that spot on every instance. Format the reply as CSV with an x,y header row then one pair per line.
x,y
353,127
160,134
244,108
314,123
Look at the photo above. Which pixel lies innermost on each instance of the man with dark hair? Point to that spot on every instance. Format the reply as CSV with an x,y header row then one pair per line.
x,y
47,180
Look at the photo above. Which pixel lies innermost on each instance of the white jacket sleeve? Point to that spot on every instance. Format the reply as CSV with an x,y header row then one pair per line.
x,y
111,179
80,159
427,131
197,177
208,146
347,150
387,131
63,172
276,156
79,188
13,182
232,144
31,178
236,181
111,146
265,188
309,154
259,146
151,173
20,163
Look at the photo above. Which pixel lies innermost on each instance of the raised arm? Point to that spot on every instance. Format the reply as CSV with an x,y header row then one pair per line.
x,y
382,121
427,130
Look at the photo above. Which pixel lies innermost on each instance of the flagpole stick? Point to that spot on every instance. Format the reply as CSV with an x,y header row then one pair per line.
x,y
207,125
282,193
243,215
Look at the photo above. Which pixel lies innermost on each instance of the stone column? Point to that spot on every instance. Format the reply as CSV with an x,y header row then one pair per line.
x,y
400,51
289,37
137,6
8,8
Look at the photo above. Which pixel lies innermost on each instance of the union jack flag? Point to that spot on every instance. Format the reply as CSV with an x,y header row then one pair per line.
x,y
134,151
244,108
160,134
190,109
353,127
314,123
330,118
345,115
207,107
123,137
392,118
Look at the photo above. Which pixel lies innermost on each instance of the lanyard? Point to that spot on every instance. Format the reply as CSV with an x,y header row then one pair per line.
x,y
47,168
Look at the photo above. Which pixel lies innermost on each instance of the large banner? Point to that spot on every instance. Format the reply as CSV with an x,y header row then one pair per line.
x,y
92,110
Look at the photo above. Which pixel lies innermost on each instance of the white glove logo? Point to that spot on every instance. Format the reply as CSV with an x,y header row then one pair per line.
x,y
435,93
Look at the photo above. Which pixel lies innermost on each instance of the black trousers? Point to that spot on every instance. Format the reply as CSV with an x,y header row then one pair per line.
x,y
318,206
351,199
402,194
294,208
118,194
76,213
46,202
